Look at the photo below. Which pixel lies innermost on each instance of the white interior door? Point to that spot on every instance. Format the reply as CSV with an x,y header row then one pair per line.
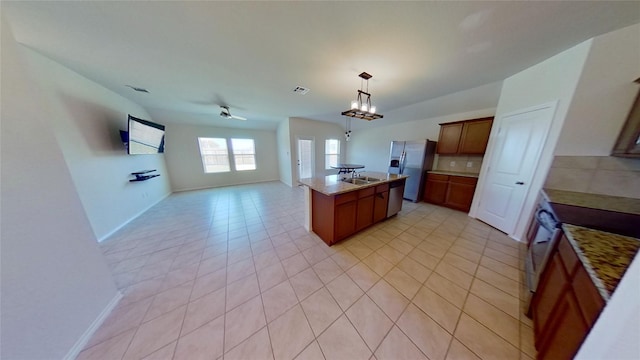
x,y
305,158
520,140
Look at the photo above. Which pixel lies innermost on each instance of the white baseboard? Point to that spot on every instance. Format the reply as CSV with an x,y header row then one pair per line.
x,y
107,235
84,339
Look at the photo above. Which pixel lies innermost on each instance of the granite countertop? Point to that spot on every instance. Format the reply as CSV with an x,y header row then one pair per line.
x,y
605,256
332,184
454,173
594,201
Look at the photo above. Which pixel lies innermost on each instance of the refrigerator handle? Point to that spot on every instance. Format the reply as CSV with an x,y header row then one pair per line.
x,y
402,158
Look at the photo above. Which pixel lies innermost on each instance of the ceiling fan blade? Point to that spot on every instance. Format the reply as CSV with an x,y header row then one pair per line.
x,y
238,117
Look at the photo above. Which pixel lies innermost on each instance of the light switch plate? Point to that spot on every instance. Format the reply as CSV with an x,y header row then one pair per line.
x,y
452,164
469,164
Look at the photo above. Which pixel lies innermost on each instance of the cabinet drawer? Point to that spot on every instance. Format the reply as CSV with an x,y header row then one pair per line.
x,y
366,192
438,177
569,257
382,188
463,180
346,197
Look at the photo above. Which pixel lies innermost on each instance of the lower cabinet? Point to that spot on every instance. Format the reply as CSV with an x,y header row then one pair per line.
x,y
364,213
455,192
334,218
565,306
380,203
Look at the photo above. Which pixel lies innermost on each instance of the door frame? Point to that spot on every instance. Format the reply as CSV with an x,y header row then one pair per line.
x,y
297,158
539,174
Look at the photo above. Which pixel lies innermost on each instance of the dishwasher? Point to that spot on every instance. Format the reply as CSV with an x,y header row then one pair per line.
x,y
396,190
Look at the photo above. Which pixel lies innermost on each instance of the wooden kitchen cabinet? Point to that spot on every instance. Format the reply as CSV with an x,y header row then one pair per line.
x,y
339,216
469,137
565,306
380,203
455,192
364,213
435,190
460,192
345,219
449,138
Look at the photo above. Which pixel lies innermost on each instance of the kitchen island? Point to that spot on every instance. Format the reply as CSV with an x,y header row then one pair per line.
x,y
338,206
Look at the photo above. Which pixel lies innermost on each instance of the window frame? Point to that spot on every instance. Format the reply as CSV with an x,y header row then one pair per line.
x,y
243,155
327,163
204,155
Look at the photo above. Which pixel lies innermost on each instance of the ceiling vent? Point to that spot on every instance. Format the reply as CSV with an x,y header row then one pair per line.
x,y
138,89
300,90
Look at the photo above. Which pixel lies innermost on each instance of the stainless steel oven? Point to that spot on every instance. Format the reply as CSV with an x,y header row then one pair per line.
x,y
543,233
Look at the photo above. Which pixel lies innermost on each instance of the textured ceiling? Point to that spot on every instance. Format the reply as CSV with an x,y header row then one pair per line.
x,y
194,56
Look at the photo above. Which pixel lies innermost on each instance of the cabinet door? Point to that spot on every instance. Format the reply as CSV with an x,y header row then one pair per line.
x,y
566,332
475,136
364,216
449,138
345,219
435,188
380,202
553,283
589,299
460,192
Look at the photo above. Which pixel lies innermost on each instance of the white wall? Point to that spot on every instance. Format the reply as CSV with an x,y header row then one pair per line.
x,y
604,95
86,119
554,79
55,281
319,131
184,162
371,147
284,152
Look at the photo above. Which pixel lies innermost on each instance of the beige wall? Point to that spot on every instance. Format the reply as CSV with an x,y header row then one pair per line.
x,y
86,118
605,175
458,163
184,162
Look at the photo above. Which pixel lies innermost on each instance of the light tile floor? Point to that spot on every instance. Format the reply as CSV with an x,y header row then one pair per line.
x,y
231,273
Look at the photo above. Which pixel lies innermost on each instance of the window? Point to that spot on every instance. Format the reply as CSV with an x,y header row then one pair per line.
x,y
244,154
331,153
215,155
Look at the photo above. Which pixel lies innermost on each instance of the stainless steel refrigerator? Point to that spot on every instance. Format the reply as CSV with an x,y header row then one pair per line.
x,y
412,158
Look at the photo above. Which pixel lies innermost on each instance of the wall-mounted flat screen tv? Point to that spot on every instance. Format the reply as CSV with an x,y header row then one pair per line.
x,y
145,137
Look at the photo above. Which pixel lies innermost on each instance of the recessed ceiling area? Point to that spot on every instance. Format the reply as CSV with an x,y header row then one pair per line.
x,y
194,56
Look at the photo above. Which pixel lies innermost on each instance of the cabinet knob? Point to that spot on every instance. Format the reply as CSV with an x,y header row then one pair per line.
x,y
519,183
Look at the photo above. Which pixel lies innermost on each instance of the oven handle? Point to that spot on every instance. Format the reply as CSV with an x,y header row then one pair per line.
x,y
544,222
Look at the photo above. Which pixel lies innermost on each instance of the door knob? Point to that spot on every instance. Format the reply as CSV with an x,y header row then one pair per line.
x,y
519,183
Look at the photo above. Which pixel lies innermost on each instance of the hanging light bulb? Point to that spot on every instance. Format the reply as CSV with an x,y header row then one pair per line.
x,y
354,104
364,108
373,109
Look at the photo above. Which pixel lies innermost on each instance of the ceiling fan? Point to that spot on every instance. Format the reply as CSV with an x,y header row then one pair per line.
x,y
225,113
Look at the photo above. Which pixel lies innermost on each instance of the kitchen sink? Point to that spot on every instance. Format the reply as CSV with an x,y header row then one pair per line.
x,y
367,178
356,181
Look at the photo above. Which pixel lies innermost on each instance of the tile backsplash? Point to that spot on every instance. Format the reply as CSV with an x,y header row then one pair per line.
x,y
458,163
605,175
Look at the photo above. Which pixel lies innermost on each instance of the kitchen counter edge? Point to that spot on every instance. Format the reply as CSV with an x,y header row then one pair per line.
x,y
332,185
579,234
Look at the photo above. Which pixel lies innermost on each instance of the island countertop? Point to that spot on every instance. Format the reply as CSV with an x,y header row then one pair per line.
x,y
605,256
333,184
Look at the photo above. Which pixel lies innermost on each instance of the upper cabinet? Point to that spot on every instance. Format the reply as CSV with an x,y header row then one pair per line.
x,y
468,137
628,144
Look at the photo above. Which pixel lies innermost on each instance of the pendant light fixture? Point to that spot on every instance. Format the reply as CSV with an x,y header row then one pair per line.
x,y
347,132
362,108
